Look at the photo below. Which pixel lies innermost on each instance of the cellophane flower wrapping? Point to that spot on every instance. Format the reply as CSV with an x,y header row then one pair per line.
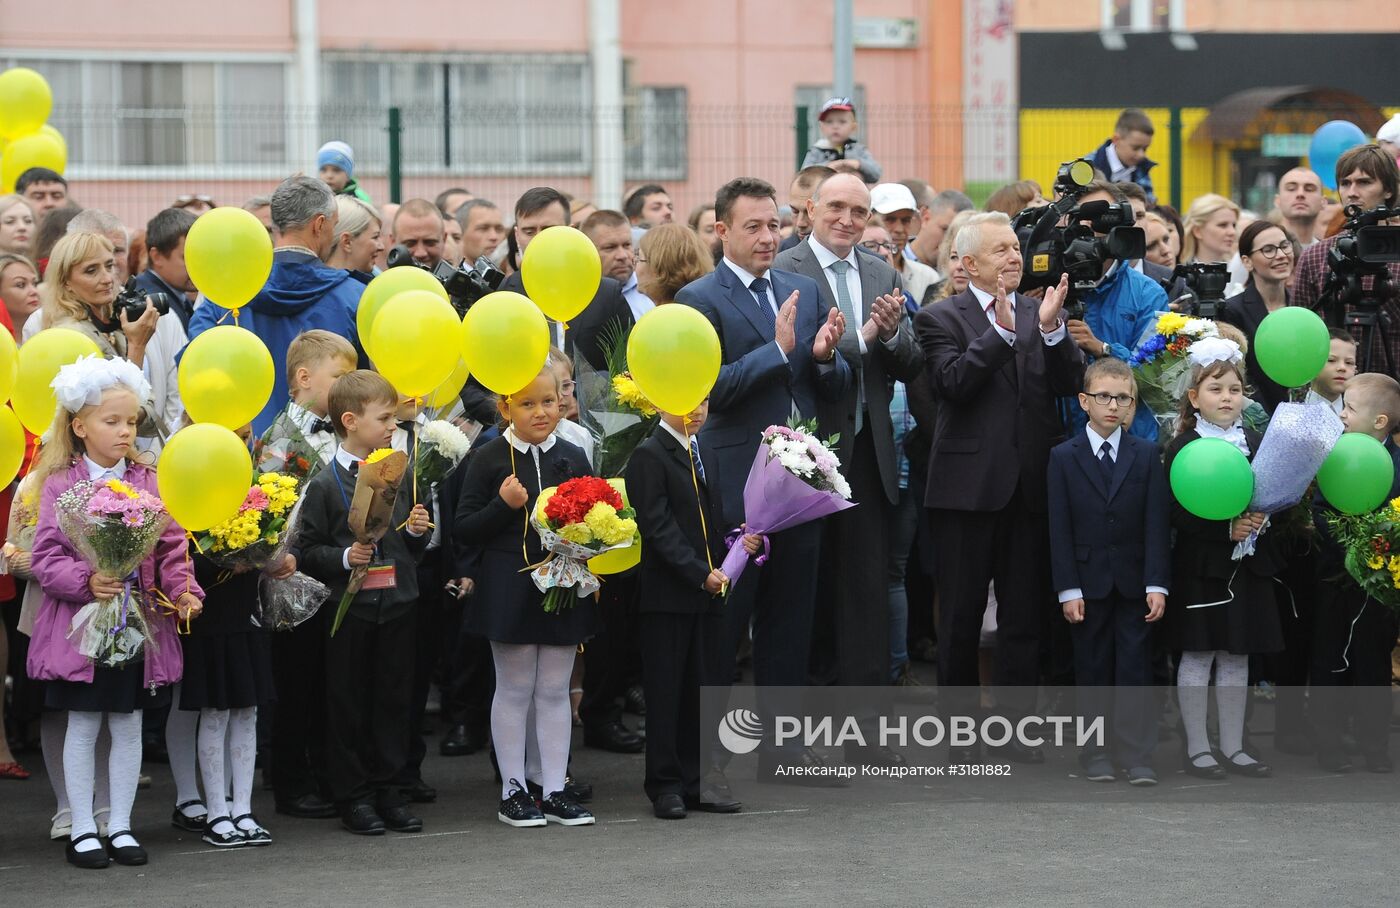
x,y
284,604
612,407
795,478
114,527
260,533
1297,441
1162,369
285,450
578,520
1372,545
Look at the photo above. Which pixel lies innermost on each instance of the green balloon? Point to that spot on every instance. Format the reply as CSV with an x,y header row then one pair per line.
x,y
1356,476
1291,345
1212,479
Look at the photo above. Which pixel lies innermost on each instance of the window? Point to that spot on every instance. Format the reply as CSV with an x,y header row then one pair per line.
x,y
119,113
472,114
654,128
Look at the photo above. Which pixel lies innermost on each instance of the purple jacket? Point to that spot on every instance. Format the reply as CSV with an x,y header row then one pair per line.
x,y
64,576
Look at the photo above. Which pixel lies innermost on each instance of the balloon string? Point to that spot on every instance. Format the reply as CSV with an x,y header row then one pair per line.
x,y
699,505
524,530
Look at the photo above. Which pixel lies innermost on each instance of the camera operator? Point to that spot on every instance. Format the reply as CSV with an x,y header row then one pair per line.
x,y
1117,312
1268,252
1366,177
418,226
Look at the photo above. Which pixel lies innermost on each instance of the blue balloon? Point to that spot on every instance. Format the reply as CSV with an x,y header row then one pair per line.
x,y
1329,142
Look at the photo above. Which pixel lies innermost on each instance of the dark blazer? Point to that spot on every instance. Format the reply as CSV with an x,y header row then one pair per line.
x,y
1245,311
587,332
880,365
662,490
325,535
756,387
997,416
1109,536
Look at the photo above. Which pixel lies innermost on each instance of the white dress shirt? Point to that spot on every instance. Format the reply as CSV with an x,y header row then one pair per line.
x,y
1096,442
577,435
1315,398
987,302
322,442
637,301
1118,173
97,472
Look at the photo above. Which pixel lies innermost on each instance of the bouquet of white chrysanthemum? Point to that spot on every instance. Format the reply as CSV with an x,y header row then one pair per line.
x,y
440,447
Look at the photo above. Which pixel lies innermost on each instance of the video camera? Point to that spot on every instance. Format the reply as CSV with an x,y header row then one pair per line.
x,y
1051,251
464,285
1207,282
1363,250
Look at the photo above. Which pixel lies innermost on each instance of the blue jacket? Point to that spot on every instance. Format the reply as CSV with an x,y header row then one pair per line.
x,y
1141,174
1119,312
300,294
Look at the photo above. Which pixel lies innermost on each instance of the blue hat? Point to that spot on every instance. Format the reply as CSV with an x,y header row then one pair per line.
x,y
337,154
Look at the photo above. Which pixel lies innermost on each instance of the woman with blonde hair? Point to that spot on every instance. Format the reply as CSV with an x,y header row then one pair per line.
x,y
949,264
357,237
1212,229
671,256
17,223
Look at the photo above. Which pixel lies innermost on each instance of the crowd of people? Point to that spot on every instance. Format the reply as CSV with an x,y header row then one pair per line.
x,y
999,451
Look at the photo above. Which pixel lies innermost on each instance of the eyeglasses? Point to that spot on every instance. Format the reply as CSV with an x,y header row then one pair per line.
x,y
1103,399
1272,251
567,386
880,247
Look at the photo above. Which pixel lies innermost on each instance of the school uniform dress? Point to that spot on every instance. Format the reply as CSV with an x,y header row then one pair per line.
x,y
1239,614
680,625
228,659
507,607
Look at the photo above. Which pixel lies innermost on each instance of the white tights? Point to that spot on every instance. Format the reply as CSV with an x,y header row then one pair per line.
x,y
1231,690
53,728
531,678
123,769
228,737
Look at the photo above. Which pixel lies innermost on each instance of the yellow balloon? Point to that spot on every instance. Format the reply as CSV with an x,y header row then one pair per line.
x,y
385,286
25,102
505,341
618,560
229,256
226,376
33,150
48,130
9,365
203,474
416,341
561,272
446,393
11,445
39,361
673,354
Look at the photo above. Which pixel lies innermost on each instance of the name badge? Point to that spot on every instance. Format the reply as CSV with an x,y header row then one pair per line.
x,y
381,576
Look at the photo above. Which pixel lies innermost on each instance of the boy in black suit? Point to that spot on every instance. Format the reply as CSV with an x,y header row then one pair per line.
x,y
370,660
1110,526
1352,636
680,611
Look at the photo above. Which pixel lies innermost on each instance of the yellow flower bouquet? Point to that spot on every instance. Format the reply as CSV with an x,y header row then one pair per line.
x,y
1372,545
256,535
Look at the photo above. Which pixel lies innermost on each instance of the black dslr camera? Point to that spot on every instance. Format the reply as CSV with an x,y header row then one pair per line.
x,y
1051,251
132,299
464,285
1207,282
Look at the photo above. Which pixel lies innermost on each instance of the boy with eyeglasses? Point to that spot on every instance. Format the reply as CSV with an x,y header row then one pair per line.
x,y
1110,556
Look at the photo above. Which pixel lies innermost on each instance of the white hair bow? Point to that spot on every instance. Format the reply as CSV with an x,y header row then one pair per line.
x,y
1214,350
81,384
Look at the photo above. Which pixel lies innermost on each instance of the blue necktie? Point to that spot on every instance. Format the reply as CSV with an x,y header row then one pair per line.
x,y
695,458
759,289
1106,462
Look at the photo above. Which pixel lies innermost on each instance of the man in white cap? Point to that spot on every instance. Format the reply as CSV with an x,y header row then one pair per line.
x,y
1388,137
335,165
899,212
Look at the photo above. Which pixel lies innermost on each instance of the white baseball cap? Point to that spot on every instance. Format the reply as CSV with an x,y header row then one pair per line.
x,y
887,198
1390,132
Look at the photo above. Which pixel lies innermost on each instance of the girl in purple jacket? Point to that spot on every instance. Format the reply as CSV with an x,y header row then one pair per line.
x,y
93,438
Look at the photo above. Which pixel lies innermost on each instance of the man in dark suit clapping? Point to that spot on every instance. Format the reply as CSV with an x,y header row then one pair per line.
x,y
996,360
852,633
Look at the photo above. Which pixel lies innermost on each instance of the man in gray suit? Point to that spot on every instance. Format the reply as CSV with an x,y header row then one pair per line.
x,y
851,635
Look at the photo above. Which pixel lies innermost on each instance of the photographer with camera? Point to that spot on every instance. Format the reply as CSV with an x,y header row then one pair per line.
x,y
1367,179
1112,304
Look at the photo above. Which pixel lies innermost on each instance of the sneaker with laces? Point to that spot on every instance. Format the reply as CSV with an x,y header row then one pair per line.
x,y
561,808
519,809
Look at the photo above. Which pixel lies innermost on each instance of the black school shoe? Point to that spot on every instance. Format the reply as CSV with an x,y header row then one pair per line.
x,y
579,791
96,859
564,810
193,824
400,819
233,838
361,819
128,855
520,810
254,835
